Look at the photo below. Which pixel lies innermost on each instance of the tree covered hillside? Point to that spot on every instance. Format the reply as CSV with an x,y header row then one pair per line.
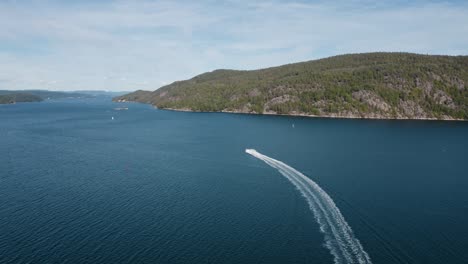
x,y
370,85
18,98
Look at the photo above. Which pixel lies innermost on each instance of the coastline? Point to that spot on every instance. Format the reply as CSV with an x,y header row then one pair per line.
x,y
312,116
299,114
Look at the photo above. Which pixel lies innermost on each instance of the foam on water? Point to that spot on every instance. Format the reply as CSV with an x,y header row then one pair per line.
x,y
339,237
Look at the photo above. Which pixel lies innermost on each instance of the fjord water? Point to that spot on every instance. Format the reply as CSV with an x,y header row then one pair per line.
x,y
153,186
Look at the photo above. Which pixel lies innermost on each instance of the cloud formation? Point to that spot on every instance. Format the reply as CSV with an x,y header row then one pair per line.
x,y
129,45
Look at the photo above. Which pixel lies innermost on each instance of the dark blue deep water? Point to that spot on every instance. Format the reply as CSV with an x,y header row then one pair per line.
x,y
156,186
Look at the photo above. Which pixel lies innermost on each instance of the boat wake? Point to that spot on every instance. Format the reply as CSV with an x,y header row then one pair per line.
x,y
339,237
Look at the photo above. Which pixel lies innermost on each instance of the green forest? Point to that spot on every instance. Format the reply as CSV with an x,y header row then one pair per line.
x,y
368,85
18,97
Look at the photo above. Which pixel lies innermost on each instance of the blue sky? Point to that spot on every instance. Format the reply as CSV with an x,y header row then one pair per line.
x,y
143,44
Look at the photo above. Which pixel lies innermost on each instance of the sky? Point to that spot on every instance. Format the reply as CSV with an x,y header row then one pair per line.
x,y
141,44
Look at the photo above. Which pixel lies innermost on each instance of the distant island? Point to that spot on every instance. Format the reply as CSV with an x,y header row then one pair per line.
x,y
18,98
369,85
23,96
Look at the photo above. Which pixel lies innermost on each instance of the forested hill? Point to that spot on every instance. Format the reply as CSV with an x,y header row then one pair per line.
x,y
369,85
18,98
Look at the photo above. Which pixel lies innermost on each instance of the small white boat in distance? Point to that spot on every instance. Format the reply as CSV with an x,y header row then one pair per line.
x,y
112,118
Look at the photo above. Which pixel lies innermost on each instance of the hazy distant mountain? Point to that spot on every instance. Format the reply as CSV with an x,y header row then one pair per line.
x,y
369,85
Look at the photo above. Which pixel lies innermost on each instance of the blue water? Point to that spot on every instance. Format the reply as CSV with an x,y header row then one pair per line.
x,y
156,186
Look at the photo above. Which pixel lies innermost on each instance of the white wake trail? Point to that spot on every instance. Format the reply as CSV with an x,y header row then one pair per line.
x,y
339,237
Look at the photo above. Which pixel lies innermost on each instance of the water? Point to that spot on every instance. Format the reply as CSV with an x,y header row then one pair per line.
x,y
155,186
339,237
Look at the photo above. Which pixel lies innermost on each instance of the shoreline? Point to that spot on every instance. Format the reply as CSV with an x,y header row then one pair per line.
x,y
299,115
310,116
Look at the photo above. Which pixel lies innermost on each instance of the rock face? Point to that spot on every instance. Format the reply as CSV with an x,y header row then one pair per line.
x,y
372,100
412,110
370,85
444,99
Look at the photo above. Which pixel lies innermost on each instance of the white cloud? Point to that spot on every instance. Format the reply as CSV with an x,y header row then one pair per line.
x,y
127,45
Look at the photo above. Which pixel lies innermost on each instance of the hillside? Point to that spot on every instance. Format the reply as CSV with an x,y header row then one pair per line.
x,y
370,85
18,98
